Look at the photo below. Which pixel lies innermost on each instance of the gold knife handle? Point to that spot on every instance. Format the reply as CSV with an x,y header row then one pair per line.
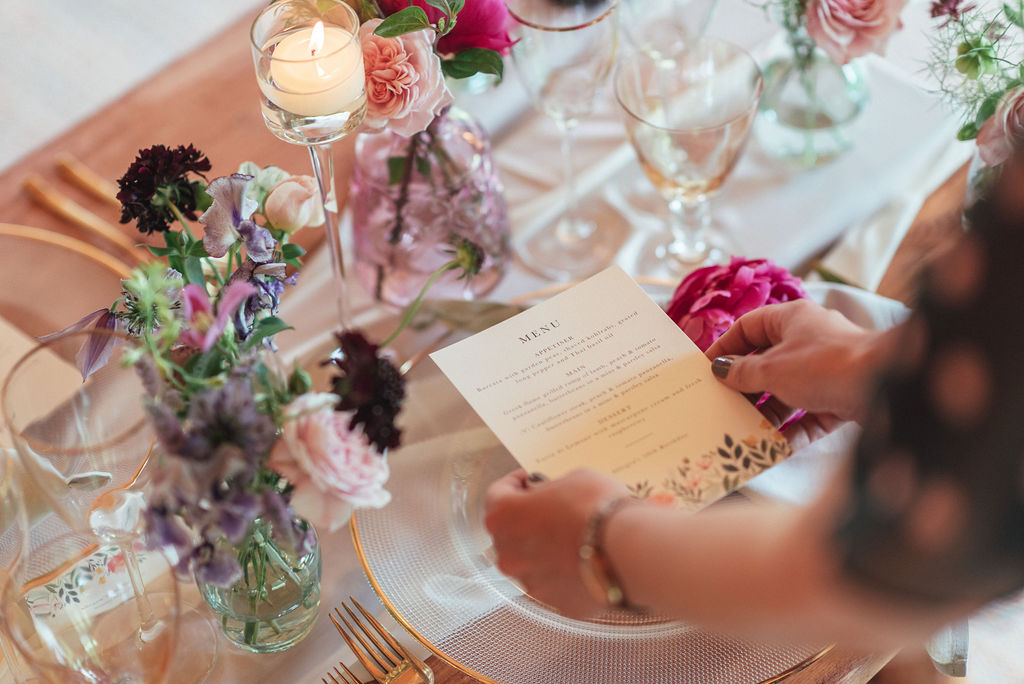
x,y
81,176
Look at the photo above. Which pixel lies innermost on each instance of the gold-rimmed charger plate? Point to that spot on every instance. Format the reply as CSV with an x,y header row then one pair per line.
x,y
52,280
427,556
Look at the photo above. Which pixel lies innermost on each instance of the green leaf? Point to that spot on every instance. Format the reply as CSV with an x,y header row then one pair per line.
x,y
987,109
159,251
197,249
396,169
474,61
406,21
290,250
174,260
172,239
470,316
423,166
266,327
194,271
969,131
449,7
1015,15
203,200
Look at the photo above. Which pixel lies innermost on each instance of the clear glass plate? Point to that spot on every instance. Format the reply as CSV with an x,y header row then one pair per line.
x,y
428,557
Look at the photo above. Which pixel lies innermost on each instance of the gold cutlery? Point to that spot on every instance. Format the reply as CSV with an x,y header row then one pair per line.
x,y
340,678
388,662
81,176
48,197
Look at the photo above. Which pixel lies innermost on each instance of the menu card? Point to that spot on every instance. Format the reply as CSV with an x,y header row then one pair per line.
x,y
599,377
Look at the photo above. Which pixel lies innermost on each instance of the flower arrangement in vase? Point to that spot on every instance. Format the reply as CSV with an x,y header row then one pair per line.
x,y
252,460
423,169
815,89
977,57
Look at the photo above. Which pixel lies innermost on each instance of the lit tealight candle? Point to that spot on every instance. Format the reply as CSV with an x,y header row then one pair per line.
x,y
316,71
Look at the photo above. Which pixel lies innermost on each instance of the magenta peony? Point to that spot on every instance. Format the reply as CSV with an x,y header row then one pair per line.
x,y
480,24
1004,130
332,468
405,89
710,299
846,29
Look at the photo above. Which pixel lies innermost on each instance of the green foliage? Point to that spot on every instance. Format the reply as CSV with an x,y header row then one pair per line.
x,y
405,21
473,61
396,169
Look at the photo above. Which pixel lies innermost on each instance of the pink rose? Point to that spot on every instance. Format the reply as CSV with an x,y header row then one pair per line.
x,y
846,29
294,203
710,299
405,88
1004,130
480,24
332,468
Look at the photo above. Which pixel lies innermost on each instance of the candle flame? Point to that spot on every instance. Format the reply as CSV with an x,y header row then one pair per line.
x,y
316,40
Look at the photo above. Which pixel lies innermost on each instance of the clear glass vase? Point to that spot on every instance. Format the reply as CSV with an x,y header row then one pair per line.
x,y
809,103
276,602
411,196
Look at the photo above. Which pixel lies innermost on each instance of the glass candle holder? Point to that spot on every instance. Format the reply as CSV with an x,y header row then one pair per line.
x,y
309,68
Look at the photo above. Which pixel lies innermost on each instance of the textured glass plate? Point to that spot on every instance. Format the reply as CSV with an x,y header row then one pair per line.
x,y
428,556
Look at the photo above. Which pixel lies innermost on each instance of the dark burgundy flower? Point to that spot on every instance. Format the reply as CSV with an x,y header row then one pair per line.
x,y
949,8
157,179
371,387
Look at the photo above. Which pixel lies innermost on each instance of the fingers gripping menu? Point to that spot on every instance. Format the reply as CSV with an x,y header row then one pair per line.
x,y
598,376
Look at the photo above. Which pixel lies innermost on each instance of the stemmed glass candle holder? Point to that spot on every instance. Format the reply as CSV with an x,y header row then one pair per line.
x,y
83,445
688,114
563,52
309,67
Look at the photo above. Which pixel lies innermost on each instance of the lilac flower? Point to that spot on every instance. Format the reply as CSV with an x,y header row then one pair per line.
x,y
98,348
204,328
215,565
268,279
228,415
235,513
229,219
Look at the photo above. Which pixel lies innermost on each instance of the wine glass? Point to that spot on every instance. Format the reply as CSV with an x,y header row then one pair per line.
x,y
563,52
73,611
688,113
309,67
653,26
13,528
83,446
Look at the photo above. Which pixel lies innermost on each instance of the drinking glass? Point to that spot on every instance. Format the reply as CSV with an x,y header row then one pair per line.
x,y
13,528
688,113
564,51
72,608
83,446
309,67
653,26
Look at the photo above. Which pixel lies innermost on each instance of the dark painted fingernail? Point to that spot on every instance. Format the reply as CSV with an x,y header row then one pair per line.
x,y
720,366
537,477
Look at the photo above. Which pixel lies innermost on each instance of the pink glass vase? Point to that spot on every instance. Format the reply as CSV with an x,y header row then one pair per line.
x,y
411,197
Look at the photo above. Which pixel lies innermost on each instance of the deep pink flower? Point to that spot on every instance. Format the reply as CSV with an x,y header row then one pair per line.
x,y
480,24
405,89
205,328
710,299
1004,130
847,29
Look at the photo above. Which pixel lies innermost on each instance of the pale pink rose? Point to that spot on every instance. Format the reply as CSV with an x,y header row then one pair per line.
x,y
294,203
846,29
405,88
332,468
710,299
1004,130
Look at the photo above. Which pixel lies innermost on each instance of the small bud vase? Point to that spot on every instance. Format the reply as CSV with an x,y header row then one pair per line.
x,y
275,603
411,196
809,103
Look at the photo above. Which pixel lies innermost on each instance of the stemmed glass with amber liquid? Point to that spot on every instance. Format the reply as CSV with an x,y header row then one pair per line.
x,y
688,113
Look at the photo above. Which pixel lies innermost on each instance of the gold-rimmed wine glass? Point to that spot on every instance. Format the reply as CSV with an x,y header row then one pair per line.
x,y
83,445
309,68
688,112
563,52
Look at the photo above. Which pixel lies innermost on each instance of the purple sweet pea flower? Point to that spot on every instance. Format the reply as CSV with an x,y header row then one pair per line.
x,y
214,565
97,349
204,328
229,214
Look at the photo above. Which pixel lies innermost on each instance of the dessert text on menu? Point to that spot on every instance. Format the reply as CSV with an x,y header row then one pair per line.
x,y
600,377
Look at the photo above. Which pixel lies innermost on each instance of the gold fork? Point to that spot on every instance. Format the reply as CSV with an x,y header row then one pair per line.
x,y
347,678
388,662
